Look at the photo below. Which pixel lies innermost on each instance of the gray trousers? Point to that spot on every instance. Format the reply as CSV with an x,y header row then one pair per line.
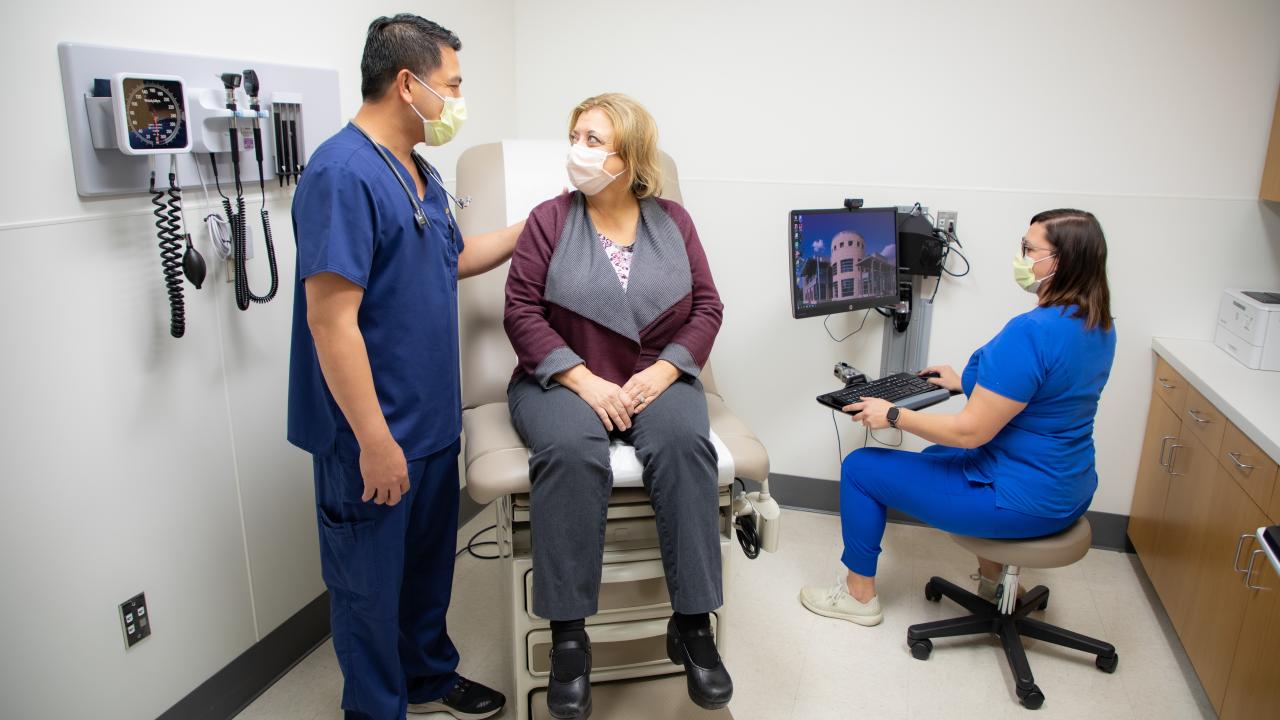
x,y
571,481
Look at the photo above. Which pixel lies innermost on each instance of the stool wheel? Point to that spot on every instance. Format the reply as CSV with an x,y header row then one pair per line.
x,y
920,649
1031,698
1044,604
931,592
1107,663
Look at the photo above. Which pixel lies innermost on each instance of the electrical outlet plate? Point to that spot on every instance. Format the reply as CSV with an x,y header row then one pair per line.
x,y
135,620
947,220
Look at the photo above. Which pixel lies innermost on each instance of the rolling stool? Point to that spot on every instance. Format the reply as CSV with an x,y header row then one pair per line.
x,y
1008,615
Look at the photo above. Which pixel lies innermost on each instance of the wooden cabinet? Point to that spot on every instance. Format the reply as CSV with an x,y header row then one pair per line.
x,y
1273,510
1219,594
1270,189
1253,690
1170,387
1203,489
1191,470
1147,514
1252,470
1203,421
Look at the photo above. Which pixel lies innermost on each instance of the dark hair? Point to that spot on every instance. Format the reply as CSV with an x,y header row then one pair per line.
x,y
1081,275
405,41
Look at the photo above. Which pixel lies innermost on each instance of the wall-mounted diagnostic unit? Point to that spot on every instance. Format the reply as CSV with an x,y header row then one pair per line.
x,y
145,122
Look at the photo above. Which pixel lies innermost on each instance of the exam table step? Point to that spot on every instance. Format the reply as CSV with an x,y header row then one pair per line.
x,y
645,699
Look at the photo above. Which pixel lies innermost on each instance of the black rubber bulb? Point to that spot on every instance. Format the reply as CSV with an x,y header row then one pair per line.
x,y
193,264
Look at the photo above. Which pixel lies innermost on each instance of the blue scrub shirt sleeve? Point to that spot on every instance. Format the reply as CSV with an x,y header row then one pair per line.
x,y
1013,364
334,214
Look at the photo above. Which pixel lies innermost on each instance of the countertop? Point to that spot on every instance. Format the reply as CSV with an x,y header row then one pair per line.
x,y
1248,398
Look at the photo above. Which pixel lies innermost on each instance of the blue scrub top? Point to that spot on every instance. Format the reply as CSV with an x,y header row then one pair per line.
x,y
351,217
1042,462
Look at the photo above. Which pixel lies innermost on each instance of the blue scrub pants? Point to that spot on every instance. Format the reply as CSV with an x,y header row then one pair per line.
x,y
930,486
389,571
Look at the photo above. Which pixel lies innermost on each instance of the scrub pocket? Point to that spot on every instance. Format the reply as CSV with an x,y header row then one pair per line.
x,y
348,530
347,554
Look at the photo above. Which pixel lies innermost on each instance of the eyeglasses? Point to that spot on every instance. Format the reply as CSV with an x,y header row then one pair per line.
x,y
1031,248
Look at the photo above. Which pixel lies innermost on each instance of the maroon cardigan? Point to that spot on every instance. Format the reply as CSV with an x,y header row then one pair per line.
x,y
565,308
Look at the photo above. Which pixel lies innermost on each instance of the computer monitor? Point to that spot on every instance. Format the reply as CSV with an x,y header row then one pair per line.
x,y
843,260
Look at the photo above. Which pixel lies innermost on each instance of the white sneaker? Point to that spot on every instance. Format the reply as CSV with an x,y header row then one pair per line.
x,y
834,601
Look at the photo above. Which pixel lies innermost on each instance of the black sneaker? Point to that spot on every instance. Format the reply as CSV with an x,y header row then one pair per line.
x,y
467,700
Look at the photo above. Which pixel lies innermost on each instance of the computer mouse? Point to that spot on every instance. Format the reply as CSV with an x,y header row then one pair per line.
x,y
931,374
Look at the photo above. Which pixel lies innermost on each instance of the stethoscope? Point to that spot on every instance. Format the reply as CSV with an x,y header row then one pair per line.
x,y
429,172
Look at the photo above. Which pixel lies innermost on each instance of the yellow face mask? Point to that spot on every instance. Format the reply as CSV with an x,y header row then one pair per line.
x,y
454,114
1025,276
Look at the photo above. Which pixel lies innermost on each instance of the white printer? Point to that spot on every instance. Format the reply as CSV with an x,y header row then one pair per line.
x,y
1249,328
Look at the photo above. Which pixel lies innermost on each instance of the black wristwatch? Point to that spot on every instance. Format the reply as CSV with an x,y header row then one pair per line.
x,y
892,415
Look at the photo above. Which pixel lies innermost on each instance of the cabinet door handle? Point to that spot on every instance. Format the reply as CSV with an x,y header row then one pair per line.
x,y
1195,415
1235,458
1164,448
1248,575
1165,384
1173,457
1235,562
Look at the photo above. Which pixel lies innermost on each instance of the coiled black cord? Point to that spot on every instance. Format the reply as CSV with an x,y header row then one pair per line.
x,y
266,233
168,230
239,239
238,251
271,260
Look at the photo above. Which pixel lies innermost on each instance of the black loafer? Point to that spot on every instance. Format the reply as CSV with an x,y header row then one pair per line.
x,y
710,688
570,699
467,700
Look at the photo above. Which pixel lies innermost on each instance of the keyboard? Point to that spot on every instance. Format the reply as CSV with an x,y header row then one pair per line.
x,y
904,390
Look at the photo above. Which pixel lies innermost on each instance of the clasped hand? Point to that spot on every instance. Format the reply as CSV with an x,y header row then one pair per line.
x,y
614,405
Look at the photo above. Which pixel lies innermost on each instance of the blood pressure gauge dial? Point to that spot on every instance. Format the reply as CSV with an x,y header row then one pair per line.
x,y
150,114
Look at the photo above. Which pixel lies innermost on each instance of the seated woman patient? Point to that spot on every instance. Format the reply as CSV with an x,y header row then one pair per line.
x,y
612,312
1018,460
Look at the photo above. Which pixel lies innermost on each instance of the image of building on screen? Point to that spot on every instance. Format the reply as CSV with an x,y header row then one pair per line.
x,y
840,256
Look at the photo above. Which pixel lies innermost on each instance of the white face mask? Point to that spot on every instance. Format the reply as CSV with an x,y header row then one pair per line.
x,y
586,169
454,114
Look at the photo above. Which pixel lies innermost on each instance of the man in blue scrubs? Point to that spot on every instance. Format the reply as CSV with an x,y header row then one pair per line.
x,y
373,380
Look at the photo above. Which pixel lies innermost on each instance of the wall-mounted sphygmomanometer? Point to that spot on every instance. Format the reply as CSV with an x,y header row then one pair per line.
x,y
150,113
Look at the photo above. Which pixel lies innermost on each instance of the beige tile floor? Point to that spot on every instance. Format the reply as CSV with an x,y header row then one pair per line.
x,y
787,663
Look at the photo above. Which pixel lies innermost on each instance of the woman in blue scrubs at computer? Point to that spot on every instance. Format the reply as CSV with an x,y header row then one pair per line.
x,y
1018,460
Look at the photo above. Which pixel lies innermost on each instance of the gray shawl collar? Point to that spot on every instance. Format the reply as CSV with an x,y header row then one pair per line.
x,y
581,279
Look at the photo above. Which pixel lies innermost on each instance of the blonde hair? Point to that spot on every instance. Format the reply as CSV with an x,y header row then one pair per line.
x,y
635,139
